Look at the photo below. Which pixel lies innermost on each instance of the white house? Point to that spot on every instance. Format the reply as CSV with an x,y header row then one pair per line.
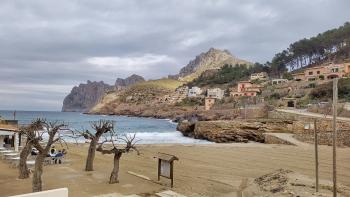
x,y
215,93
279,81
194,91
9,137
260,76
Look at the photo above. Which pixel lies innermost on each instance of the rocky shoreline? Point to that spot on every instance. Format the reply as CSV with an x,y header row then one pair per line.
x,y
238,130
174,113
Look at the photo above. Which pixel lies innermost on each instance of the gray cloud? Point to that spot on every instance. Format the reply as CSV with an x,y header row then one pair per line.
x,y
48,46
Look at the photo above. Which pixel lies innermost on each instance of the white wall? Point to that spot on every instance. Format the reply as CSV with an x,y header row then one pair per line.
x,y
62,192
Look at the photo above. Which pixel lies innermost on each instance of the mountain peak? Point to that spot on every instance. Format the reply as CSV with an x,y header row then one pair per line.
x,y
212,59
133,79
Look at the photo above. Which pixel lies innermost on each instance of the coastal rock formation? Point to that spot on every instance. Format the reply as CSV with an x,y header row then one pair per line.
x,y
223,131
186,128
210,60
123,83
83,97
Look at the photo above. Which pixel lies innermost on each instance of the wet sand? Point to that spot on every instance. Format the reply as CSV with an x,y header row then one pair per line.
x,y
203,170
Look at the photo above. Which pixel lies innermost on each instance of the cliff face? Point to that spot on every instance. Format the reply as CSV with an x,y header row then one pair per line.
x,y
212,59
133,79
83,97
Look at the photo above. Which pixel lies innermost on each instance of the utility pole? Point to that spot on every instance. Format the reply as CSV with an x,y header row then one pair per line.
x,y
335,102
316,154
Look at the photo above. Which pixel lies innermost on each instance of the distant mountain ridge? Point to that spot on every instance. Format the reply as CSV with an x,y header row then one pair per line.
x,y
133,79
85,96
212,59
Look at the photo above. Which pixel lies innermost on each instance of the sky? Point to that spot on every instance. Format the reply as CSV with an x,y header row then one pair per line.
x,y
49,46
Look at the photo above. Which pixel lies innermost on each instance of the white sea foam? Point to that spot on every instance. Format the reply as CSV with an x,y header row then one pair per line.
x,y
149,138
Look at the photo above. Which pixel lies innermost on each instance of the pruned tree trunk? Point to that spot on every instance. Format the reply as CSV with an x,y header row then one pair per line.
x,y
114,174
91,155
37,182
23,168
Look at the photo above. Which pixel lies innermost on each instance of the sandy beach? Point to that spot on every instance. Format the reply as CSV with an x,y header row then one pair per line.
x,y
202,170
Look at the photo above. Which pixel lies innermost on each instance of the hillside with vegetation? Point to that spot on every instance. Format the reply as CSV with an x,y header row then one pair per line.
x,y
331,45
228,74
324,92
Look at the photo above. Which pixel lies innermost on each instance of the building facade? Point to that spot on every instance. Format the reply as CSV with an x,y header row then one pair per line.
x,y
9,134
194,92
278,81
245,88
216,93
329,71
260,76
209,103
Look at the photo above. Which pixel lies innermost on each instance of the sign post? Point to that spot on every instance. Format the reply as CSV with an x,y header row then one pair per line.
x,y
316,154
166,166
335,102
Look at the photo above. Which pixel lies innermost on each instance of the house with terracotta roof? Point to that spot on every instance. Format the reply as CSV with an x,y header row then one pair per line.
x,y
246,88
328,71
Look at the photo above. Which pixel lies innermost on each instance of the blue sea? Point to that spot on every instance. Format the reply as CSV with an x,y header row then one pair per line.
x,y
148,130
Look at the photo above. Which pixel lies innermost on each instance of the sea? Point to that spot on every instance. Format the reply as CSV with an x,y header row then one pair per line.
x,y
148,130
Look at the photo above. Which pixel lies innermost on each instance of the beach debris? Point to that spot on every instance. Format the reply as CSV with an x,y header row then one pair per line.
x,y
169,193
116,195
284,182
139,175
273,182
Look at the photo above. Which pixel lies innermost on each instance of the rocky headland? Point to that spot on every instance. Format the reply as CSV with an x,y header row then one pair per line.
x,y
85,96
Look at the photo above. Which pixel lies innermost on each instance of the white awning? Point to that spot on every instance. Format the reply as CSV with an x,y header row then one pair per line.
x,y
3,132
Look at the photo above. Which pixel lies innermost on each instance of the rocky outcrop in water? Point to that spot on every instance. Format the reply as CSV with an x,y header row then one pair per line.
x,y
123,83
83,97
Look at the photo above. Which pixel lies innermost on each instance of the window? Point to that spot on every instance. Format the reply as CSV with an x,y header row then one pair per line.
x,y
310,73
335,70
318,72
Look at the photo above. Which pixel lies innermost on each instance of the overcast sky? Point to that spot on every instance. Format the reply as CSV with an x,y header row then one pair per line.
x,y
49,46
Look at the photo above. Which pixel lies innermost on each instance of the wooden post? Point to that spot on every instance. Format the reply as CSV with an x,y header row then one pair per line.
x,y
159,163
171,174
335,102
316,154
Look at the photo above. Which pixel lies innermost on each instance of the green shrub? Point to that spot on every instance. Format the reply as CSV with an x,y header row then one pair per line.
x,y
191,102
275,95
311,85
325,91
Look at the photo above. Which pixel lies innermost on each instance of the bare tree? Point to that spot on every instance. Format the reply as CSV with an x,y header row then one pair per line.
x,y
52,129
30,133
101,127
118,152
